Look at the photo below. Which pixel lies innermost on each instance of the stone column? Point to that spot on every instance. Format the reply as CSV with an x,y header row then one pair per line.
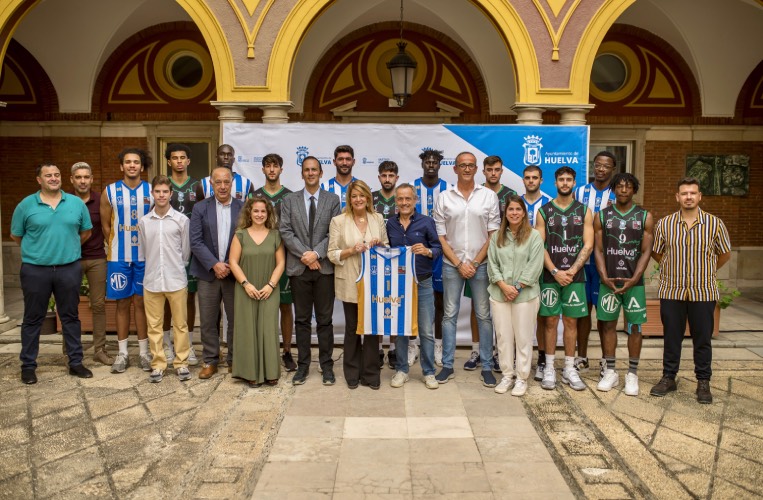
x,y
230,112
574,115
4,319
529,114
276,112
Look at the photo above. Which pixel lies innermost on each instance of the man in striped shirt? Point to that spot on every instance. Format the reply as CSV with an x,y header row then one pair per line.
x,y
241,188
344,160
690,246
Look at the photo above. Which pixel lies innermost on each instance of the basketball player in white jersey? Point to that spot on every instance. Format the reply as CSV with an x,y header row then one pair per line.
x,y
595,195
241,188
344,160
123,203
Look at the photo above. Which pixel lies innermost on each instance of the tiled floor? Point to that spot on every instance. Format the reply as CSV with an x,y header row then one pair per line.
x,y
459,441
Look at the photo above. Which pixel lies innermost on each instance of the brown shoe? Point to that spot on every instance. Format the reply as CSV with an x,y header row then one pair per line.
x,y
207,371
664,386
103,358
704,396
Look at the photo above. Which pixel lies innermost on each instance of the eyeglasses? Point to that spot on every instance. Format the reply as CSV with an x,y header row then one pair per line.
x,y
464,166
602,166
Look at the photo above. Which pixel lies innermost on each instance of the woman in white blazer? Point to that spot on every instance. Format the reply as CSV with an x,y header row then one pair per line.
x,y
350,234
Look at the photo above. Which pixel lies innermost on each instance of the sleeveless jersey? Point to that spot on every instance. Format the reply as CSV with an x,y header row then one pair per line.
x,y
621,239
275,199
503,198
184,197
427,196
564,237
385,207
534,208
332,186
594,199
239,190
387,292
127,207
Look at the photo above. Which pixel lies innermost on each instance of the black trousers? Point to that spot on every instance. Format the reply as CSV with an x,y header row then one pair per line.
x,y
37,283
674,314
314,291
361,352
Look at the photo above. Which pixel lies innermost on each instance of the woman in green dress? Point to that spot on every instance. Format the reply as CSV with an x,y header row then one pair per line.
x,y
257,261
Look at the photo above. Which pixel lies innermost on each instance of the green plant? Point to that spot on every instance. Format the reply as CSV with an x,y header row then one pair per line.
x,y
51,304
727,294
84,287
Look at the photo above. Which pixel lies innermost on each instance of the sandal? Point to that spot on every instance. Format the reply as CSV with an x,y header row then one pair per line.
x,y
272,382
254,383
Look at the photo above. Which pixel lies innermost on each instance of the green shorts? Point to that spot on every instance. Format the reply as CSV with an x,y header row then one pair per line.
x,y
193,281
633,301
467,290
569,301
286,297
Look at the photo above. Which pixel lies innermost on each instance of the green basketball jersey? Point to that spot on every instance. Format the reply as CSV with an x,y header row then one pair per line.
x,y
621,239
384,206
564,236
184,197
275,199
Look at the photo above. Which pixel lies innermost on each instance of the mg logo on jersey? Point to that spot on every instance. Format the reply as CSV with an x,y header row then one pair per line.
x,y
532,148
118,281
608,302
549,297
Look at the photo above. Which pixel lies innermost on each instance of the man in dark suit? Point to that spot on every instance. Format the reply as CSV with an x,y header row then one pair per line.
x,y
305,218
213,222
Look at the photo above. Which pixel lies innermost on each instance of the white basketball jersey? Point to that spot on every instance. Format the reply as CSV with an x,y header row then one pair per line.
x,y
594,199
239,189
332,186
533,208
127,207
388,292
427,196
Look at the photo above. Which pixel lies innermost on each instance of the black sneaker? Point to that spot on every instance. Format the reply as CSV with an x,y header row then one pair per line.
x,y
381,359
704,396
392,359
288,362
664,386
300,377
328,377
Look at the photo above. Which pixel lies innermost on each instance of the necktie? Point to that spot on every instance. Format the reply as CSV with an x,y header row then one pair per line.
x,y
311,220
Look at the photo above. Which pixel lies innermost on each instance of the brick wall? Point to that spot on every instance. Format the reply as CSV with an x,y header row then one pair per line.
x,y
19,156
666,165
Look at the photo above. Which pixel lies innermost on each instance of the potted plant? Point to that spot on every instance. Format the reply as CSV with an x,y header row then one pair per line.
x,y
49,324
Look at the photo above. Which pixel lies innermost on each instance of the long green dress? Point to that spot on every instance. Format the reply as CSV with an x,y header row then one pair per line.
x,y
255,338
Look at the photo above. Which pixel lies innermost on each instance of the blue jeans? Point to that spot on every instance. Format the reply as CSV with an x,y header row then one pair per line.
x,y
453,285
426,332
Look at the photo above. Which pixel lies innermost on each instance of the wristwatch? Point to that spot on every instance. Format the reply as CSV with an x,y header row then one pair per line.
x,y
518,286
554,271
476,263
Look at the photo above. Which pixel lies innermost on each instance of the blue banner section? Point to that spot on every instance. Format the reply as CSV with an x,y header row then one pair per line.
x,y
547,146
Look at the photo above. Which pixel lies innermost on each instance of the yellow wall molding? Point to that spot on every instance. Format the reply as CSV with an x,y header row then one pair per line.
x,y
556,34
8,24
250,34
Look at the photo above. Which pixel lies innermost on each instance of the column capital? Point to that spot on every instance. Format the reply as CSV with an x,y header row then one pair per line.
x,y
574,115
277,112
529,114
230,112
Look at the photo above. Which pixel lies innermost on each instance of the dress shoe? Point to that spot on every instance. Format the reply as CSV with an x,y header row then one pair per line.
x,y
664,386
80,371
103,358
704,396
28,376
207,371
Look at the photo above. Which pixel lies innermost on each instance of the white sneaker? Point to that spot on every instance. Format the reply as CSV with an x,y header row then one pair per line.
x,y
413,353
504,385
438,353
631,384
539,371
602,367
399,379
608,381
520,388
431,382
169,354
571,377
192,359
549,378
145,361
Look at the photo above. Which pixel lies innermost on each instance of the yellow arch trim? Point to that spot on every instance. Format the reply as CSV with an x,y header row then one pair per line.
x,y
7,10
590,41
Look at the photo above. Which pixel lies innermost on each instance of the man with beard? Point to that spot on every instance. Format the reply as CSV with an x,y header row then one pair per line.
x,y
274,191
344,160
566,226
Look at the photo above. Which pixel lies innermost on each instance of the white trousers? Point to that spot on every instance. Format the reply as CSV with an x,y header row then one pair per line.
x,y
515,329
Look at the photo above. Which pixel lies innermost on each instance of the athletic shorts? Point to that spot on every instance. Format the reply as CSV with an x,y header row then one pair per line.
x,y
124,279
633,301
568,301
193,281
591,284
286,297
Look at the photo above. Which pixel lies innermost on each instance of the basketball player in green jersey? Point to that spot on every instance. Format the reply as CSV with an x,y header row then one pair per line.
x,y
274,191
566,225
623,246
186,191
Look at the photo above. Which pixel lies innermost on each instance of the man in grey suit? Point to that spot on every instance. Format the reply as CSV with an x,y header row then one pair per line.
x,y
305,218
213,223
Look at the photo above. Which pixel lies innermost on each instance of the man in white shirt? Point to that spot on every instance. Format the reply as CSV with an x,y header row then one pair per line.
x,y
466,215
163,240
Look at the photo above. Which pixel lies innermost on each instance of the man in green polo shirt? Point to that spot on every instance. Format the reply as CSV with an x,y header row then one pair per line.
x,y
50,225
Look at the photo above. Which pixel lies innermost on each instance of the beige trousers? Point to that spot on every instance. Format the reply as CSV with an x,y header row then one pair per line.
x,y
515,329
153,302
